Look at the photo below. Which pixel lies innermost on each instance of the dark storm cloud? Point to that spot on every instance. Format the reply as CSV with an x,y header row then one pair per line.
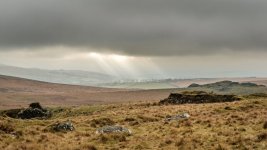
x,y
136,27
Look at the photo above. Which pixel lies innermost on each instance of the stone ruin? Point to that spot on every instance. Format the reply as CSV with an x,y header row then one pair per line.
x,y
197,97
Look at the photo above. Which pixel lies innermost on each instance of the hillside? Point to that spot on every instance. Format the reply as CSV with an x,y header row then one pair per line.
x,y
76,77
87,78
18,92
179,83
149,124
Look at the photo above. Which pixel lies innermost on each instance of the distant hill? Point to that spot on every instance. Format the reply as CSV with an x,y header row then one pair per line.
x,y
78,77
230,87
180,83
153,84
226,84
75,77
202,81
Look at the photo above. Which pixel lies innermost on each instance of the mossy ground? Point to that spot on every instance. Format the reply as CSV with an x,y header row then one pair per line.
x,y
233,125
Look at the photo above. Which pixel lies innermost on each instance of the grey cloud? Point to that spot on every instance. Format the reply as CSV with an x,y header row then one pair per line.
x,y
136,27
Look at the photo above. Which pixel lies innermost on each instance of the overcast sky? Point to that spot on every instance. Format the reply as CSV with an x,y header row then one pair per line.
x,y
168,38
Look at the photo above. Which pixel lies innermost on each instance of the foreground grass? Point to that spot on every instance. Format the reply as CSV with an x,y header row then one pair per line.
x,y
235,125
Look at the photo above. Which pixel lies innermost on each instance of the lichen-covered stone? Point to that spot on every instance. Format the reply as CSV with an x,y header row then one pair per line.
x,y
113,129
63,126
178,117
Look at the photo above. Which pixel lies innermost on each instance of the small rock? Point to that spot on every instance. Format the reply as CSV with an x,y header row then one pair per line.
x,y
113,129
178,117
64,126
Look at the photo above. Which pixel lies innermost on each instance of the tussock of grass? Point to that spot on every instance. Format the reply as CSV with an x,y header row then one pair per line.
x,y
113,137
89,147
257,95
101,122
147,118
262,137
265,125
75,111
6,128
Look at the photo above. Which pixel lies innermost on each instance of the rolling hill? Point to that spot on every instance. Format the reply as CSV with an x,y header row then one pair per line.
x,y
87,78
180,83
18,92
74,77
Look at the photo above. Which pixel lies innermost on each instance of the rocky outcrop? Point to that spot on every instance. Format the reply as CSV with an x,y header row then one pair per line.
x,y
35,110
197,97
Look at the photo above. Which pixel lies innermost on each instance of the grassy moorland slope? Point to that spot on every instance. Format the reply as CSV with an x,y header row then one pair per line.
x,y
233,125
19,92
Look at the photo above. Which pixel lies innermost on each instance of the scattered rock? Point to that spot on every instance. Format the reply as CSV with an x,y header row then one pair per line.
x,y
197,97
113,129
63,127
35,110
31,113
178,117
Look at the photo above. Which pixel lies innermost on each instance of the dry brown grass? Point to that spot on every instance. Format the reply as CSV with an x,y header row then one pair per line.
x,y
233,125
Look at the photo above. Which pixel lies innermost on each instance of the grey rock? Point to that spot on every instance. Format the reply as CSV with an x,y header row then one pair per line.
x,y
64,126
178,117
113,129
